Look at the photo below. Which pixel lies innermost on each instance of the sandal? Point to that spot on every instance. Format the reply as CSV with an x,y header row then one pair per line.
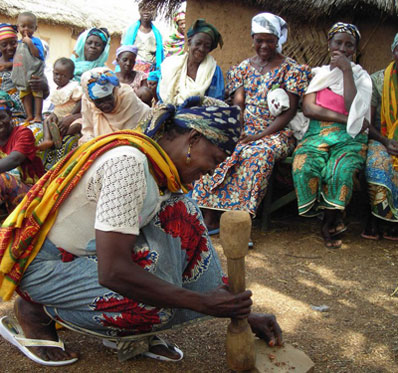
x,y
338,229
156,341
12,332
333,244
55,134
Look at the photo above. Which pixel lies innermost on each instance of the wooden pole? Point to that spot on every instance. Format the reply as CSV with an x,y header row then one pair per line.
x,y
235,229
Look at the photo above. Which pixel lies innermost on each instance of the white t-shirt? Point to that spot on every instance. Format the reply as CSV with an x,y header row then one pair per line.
x,y
116,194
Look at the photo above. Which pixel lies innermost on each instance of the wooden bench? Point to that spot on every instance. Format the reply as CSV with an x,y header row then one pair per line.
x,y
268,205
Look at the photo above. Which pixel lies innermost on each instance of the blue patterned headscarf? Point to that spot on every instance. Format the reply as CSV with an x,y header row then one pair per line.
x,y
6,102
348,28
215,120
99,83
154,76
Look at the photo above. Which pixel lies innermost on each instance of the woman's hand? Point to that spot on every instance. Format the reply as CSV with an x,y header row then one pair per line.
x,y
221,303
245,139
266,327
392,147
338,59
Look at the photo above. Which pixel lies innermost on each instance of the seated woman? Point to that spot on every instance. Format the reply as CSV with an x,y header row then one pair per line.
x,y
241,181
147,38
17,151
382,158
140,259
107,105
195,72
125,59
91,50
333,149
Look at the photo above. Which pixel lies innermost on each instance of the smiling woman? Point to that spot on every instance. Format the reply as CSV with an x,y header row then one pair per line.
x,y
194,72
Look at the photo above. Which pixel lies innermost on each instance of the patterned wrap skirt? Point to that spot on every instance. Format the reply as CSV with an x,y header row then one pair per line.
x,y
382,180
174,246
324,165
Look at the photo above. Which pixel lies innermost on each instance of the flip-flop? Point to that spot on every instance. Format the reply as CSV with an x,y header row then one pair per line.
x,y
374,237
12,332
338,229
156,341
388,237
214,231
55,134
333,244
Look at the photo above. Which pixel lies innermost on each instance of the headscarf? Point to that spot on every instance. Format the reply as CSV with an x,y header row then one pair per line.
x,y
348,28
200,25
101,83
81,65
6,102
215,120
394,43
176,42
154,76
179,16
268,23
102,33
125,48
8,31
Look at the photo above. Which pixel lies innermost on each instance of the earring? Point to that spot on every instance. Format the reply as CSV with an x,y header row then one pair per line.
x,y
188,159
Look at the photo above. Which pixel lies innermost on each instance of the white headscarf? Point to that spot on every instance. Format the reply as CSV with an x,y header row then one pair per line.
x,y
268,23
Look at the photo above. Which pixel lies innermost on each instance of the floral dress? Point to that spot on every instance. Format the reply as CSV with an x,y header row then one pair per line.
x,y
240,182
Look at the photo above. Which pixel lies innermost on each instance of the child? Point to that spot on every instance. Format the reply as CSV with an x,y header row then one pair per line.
x,y
66,100
145,95
27,25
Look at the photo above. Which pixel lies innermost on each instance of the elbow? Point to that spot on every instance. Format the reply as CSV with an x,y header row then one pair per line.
x,y
107,278
307,111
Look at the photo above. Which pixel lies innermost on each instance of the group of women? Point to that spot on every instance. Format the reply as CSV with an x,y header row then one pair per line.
x,y
140,260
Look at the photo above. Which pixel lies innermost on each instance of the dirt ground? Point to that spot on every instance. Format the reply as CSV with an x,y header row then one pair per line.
x,y
288,271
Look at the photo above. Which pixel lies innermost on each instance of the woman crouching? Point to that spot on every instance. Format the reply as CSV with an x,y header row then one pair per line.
x,y
140,259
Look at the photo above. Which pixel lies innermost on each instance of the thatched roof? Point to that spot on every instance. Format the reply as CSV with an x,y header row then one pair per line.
x,y
307,9
115,15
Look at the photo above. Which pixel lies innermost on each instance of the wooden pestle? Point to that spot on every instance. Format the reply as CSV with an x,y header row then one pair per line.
x,y
235,228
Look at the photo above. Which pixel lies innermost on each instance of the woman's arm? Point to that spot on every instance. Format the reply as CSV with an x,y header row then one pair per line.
x,y
338,59
313,111
119,273
239,99
279,123
13,160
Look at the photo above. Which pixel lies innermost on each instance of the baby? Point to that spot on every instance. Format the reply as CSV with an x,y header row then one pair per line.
x,y
278,101
23,71
145,95
66,100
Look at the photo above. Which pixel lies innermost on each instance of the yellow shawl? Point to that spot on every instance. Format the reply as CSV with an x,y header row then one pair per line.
x,y
26,228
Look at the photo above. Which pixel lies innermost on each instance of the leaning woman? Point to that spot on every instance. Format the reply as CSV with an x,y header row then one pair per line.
x,y
241,181
382,159
195,72
333,149
140,259
108,105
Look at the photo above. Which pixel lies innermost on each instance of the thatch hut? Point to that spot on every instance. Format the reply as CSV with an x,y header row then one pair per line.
x,y
61,21
308,21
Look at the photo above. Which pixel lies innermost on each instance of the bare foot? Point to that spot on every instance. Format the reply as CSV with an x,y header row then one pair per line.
x,y
37,120
37,325
29,119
